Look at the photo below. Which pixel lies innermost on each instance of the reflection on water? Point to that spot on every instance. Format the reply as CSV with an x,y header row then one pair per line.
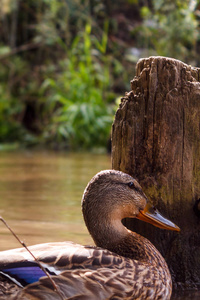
x,y
40,196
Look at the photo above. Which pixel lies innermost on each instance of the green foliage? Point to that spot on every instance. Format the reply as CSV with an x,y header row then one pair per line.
x,y
170,29
10,107
13,73
9,128
51,23
79,96
62,66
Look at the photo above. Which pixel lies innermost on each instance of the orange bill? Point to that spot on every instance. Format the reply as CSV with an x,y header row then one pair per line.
x,y
151,215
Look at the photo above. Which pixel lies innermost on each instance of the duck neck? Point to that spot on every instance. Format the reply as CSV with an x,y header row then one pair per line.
x,y
111,234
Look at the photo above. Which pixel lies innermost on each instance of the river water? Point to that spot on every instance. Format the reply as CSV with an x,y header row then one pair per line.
x,y
40,197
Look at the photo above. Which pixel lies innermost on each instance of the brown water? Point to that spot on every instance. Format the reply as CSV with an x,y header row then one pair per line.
x,y
40,197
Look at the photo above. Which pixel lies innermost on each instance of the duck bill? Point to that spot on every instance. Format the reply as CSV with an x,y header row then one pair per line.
x,y
152,216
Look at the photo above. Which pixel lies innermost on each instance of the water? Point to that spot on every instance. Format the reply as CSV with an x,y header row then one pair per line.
x,y
40,198
41,195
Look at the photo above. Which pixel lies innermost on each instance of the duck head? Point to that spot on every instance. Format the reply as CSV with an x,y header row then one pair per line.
x,y
111,196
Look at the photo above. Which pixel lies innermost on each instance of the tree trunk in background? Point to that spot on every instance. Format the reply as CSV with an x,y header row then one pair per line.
x,y
156,139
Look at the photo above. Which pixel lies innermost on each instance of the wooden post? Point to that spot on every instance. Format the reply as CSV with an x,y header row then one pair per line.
x,y
156,139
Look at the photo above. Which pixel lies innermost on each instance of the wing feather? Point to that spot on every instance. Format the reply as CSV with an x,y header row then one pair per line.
x,y
19,266
82,284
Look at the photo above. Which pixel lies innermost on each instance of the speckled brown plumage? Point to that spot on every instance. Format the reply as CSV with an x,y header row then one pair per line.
x,y
124,265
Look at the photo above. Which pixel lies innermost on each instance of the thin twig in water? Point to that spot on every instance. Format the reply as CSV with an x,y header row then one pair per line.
x,y
56,288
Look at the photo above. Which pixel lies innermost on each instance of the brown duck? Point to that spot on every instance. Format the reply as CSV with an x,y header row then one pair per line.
x,y
122,265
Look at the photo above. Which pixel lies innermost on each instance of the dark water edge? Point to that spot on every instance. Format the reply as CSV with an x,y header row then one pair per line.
x,y
186,295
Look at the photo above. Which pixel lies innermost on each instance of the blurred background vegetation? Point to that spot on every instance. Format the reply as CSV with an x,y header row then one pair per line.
x,y
65,63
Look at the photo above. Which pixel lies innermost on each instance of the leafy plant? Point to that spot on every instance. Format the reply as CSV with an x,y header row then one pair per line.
x,y
170,29
60,72
79,96
11,129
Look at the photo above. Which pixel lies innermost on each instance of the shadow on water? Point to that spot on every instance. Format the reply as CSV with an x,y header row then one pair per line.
x,y
41,195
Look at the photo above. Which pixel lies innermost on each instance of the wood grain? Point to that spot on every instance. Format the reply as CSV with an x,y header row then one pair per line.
x,y
156,139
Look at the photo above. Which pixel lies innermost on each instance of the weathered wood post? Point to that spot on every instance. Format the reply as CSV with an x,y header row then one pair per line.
x,y
156,139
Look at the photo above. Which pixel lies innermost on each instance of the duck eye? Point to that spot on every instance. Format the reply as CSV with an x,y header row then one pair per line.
x,y
131,185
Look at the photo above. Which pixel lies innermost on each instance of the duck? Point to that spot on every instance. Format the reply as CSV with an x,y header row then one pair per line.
x,y
121,265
